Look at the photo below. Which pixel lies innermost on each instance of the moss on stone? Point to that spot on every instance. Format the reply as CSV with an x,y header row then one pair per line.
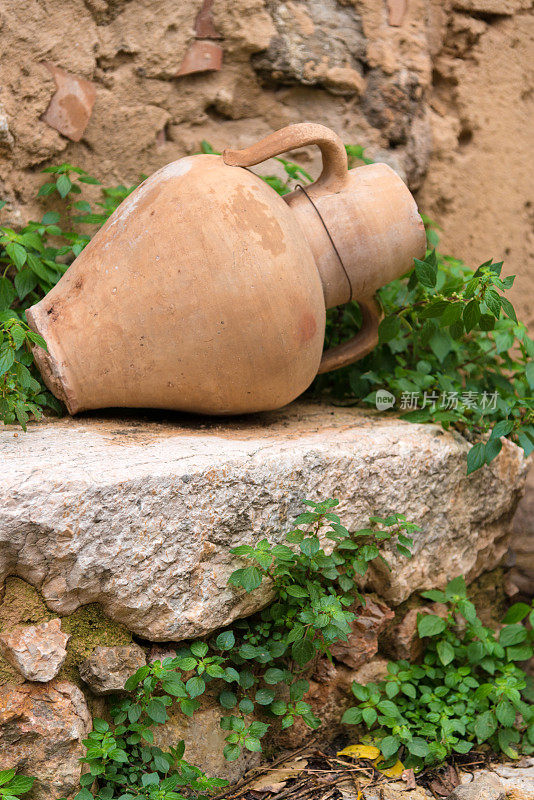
x,y
22,604
88,628
8,675
488,593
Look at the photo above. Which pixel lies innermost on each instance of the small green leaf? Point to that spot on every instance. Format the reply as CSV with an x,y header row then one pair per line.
x,y
434,310
302,652
273,675
471,315
418,747
476,457
195,686
7,293
485,725
296,591
389,746
248,578
157,711
25,282
246,706
189,706
353,716
430,625
517,613
456,588
46,189
63,185
508,308
6,775
502,428
388,329
445,652
227,699
264,696
199,649
7,358
370,716
231,752
505,713
225,640
512,634
493,301
426,272
492,450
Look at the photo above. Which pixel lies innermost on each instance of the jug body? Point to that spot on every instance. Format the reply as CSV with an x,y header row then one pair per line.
x,y
205,291
200,293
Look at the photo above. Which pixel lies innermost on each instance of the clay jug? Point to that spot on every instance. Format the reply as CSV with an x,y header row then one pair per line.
x,y
205,291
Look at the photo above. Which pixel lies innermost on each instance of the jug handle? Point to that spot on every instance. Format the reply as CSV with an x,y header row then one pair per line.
x,y
360,345
335,168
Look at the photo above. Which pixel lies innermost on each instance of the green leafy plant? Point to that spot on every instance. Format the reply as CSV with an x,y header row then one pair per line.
x,y
126,765
32,262
67,180
20,393
258,666
13,785
263,659
468,691
451,340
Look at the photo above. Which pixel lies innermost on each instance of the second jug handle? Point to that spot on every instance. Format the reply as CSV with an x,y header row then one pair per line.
x,y
335,168
360,345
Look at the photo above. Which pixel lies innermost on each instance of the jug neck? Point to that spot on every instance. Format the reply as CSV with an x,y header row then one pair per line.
x,y
363,236
319,232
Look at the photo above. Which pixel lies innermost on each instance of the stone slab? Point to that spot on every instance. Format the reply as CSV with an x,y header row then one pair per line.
x,y
138,513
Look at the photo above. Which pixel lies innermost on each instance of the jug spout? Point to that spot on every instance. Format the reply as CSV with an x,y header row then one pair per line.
x,y
363,236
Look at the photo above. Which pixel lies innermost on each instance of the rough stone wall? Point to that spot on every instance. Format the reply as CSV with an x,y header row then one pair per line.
x,y
438,88
341,63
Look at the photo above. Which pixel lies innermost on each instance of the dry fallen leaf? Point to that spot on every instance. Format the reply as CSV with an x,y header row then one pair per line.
x,y
275,779
374,755
392,772
444,783
361,751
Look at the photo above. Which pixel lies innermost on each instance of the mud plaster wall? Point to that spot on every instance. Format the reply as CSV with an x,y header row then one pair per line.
x,y
442,89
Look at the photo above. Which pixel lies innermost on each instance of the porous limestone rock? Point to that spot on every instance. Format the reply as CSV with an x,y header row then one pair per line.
x,y
140,516
319,43
41,732
517,778
485,786
401,640
36,651
362,642
108,668
204,741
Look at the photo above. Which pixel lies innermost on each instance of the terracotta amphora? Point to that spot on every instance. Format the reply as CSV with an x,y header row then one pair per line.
x,y
205,291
